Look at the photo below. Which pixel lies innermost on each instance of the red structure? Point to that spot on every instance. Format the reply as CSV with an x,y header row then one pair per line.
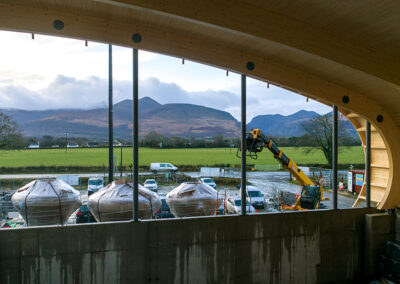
x,y
355,180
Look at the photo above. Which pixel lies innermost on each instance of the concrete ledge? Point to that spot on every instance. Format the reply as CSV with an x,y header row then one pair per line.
x,y
302,247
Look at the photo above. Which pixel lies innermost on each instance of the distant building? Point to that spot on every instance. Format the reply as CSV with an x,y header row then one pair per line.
x,y
117,144
92,144
34,146
72,145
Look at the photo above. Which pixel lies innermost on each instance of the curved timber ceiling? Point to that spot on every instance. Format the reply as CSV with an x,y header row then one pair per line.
x,y
322,49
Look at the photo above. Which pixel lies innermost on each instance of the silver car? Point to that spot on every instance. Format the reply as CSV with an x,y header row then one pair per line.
x,y
234,206
209,181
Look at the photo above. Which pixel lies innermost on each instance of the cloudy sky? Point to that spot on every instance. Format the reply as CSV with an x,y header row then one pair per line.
x,y
50,72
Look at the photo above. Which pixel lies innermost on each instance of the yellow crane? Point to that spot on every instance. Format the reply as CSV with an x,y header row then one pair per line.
x,y
311,193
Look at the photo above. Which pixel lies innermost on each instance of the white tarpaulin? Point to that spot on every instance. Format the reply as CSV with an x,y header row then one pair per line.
x,y
306,170
193,199
46,202
209,172
115,202
70,179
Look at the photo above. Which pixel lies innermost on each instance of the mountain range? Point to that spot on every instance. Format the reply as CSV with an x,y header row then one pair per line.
x,y
169,119
280,125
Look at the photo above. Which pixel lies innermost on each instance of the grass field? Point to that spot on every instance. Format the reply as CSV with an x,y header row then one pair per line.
x,y
96,157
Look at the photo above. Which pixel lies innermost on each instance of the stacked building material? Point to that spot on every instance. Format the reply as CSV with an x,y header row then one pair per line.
x,y
114,202
193,199
46,202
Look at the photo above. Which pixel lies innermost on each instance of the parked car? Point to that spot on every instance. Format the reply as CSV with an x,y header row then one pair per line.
x,y
255,197
13,223
164,211
151,184
84,215
163,167
94,184
234,206
209,181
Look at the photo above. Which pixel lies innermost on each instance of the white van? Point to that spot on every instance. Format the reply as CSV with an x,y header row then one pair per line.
x,y
163,167
255,197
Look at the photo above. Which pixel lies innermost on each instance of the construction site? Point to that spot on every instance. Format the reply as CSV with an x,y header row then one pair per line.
x,y
243,220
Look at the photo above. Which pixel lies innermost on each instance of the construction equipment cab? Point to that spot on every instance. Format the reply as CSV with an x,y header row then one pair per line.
x,y
311,194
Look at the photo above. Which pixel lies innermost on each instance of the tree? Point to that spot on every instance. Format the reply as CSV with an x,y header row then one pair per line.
x,y
10,136
219,141
153,140
47,141
319,135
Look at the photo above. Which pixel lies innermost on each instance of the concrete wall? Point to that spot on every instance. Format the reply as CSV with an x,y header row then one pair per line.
x,y
379,228
397,225
301,247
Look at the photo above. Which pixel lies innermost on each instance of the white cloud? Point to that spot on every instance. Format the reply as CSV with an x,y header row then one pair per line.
x,y
51,72
275,100
69,92
36,63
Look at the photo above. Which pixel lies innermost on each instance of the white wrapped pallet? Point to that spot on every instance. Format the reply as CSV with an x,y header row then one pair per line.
x,y
193,199
46,202
210,172
114,202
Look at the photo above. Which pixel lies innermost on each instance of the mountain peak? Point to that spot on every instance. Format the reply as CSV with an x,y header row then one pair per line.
x,y
144,100
145,104
280,125
148,100
304,114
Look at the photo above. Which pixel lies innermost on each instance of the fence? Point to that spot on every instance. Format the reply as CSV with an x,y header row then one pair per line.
x,y
15,183
5,204
268,168
161,178
326,174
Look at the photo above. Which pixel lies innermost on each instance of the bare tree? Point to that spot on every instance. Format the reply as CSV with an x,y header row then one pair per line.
x,y
10,136
319,132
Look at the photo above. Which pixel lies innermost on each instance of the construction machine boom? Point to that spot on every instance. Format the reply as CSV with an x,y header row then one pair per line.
x,y
311,194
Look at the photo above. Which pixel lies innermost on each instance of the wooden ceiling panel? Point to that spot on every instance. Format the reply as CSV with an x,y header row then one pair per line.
x,y
323,49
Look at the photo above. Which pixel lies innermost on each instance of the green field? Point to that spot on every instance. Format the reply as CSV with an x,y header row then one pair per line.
x,y
96,157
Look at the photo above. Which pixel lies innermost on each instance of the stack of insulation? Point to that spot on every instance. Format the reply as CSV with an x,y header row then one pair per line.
x,y
46,202
193,199
115,202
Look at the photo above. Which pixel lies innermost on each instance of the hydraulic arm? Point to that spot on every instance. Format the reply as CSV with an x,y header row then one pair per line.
x,y
311,194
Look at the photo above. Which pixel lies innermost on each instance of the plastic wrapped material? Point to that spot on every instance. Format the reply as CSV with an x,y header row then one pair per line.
x,y
46,202
193,199
115,202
